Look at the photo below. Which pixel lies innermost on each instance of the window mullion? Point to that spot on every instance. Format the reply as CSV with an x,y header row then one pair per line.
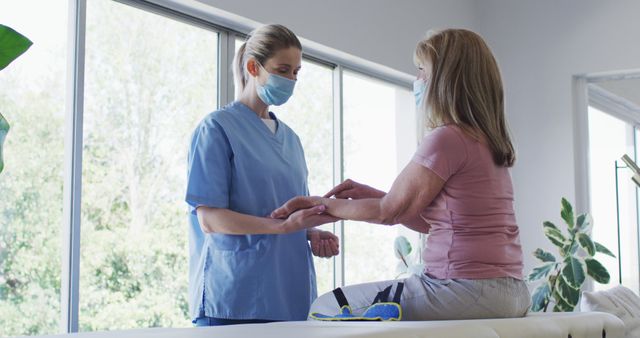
x,y
634,132
338,169
226,51
70,283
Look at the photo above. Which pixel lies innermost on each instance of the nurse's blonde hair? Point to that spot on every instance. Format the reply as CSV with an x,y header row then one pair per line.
x,y
465,89
261,44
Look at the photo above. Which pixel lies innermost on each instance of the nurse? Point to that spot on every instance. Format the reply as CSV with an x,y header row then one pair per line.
x,y
243,163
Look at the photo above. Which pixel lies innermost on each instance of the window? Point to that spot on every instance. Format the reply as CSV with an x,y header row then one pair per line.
x,y
310,114
150,74
609,139
32,92
379,137
149,81
375,114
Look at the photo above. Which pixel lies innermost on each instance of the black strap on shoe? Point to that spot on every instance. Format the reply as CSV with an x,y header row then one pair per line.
x,y
342,300
383,295
396,296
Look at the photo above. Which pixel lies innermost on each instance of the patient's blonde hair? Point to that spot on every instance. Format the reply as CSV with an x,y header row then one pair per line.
x,y
465,89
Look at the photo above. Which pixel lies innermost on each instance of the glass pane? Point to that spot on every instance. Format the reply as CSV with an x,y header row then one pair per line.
x,y
149,80
310,114
32,93
373,111
609,139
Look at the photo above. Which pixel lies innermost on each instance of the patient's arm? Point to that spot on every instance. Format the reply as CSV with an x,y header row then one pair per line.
x,y
413,190
354,190
418,224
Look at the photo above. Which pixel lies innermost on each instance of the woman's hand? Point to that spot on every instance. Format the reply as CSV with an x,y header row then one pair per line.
x,y
306,218
349,189
297,203
323,243
354,190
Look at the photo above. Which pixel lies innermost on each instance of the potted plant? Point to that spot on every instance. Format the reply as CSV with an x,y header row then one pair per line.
x,y
564,275
12,45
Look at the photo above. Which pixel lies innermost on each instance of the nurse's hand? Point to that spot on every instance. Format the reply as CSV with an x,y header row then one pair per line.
x,y
354,190
323,243
307,218
296,203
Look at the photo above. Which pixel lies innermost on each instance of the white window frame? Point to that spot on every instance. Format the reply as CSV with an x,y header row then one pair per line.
x,y
72,190
587,93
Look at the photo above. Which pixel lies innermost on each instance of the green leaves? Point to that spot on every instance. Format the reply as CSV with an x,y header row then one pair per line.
x,y
402,247
569,294
407,264
573,272
567,213
540,297
563,284
597,271
582,223
541,271
4,129
12,45
553,234
602,249
587,244
561,304
544,256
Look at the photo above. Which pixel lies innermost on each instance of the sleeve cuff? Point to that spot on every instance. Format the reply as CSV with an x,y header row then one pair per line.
x,y
425,162
197,201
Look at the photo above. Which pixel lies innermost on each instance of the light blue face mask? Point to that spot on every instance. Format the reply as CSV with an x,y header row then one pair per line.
x,y
276,91
419,90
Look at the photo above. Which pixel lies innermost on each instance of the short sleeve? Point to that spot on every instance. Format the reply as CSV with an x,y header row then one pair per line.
x,y
209,167
443,151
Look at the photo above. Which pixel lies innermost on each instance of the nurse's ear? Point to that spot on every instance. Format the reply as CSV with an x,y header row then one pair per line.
x,y
252,67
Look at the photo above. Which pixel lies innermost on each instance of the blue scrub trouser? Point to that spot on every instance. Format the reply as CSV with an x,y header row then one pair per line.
x,y
210,321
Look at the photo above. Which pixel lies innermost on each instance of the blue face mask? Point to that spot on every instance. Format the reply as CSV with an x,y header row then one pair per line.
x,y
419,91
276,91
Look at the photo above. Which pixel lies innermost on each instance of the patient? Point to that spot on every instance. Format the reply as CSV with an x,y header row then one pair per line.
x,y
457,188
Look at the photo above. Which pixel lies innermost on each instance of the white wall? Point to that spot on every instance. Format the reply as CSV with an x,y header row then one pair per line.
x,y
382,31
540,45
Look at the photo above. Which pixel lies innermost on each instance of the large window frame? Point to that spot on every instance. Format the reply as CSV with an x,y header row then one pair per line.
x,y
228,28
586,93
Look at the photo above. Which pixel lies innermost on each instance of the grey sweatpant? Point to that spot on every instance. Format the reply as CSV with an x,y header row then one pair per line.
x,y
425,298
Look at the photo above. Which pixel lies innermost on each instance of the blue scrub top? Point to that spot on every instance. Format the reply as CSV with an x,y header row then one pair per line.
x,y
237,163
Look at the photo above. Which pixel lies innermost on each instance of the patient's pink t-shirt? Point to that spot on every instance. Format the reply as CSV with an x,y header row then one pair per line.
x,y
473,232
